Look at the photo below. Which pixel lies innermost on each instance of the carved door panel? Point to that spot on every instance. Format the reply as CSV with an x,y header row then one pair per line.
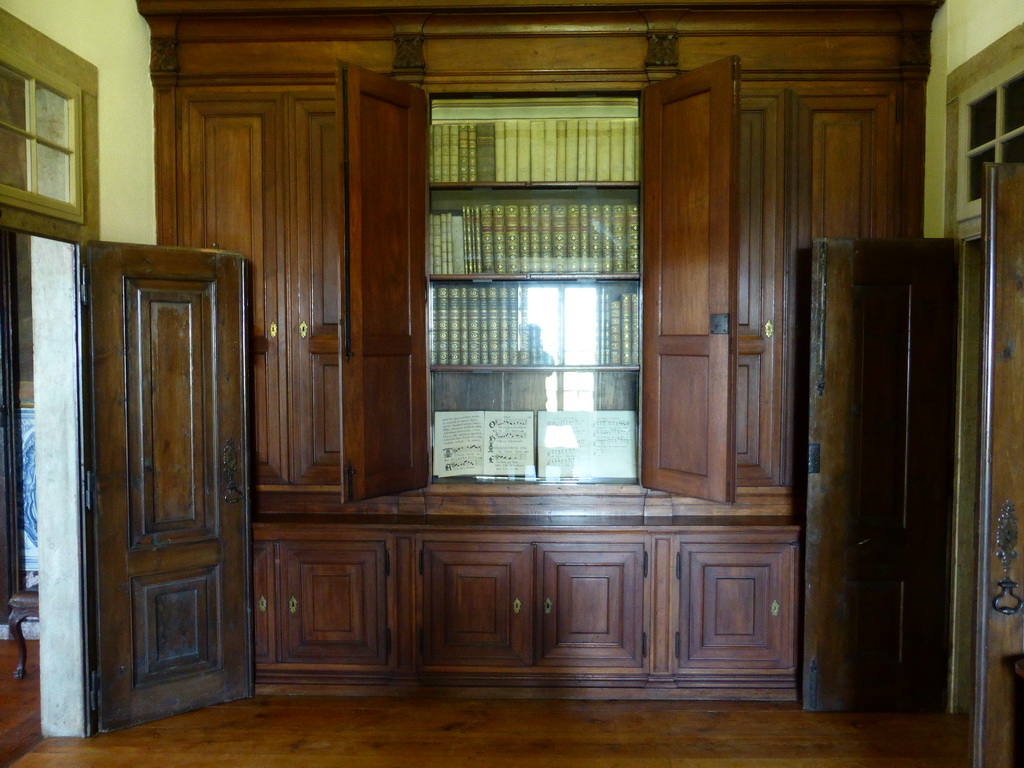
x,y
168,365
264,595
591,603
232,173
314,308
762,439
478,604
738,605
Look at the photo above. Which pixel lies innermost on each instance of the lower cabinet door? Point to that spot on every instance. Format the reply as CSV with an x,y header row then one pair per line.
x,y
591,598
264,602
477,604
334,602
737,606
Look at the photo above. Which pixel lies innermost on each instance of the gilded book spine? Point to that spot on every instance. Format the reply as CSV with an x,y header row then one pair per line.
x,y
628,303
492,339
619,238
633,238
547,244
512,240
615,333
596,259
498,214
607,242
485,152
475,356
456,323
486,239
559,237
534,230
439,349
572,239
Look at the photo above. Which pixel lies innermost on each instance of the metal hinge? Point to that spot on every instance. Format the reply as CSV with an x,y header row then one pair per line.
x,y
94,690
644,644
387,642
679,645
814,458
421,562
83,284
645,563
719,323
89,489
679,566
422,642
350,475
387,563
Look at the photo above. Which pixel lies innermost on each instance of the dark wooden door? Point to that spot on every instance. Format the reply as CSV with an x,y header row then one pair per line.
x,y
478,604
334,602
882,360
591,602
690,196
383,153
996,727
170,526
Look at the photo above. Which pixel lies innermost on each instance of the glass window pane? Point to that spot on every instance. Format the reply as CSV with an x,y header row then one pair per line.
x,y
14,160
1013,105
977,172
51,116
13,99
983,120
1013,150
54,176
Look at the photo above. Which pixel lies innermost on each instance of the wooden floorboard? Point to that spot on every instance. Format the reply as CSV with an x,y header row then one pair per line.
x,y
19,702
388,732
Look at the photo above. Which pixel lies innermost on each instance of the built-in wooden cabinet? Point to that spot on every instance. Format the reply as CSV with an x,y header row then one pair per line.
x,y
737,607
333,205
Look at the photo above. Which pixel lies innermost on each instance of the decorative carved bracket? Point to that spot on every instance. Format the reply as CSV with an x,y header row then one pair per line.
x,y
662,49
409,52
163,55
917,50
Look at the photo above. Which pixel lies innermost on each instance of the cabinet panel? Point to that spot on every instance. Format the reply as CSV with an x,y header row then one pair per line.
x,y
760,442
230,175
264,595
737,606
334,602
591,598
315,294
477,603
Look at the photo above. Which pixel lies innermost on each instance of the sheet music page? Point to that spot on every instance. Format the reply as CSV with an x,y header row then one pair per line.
x,y
510,441
613,444
563,444
459,439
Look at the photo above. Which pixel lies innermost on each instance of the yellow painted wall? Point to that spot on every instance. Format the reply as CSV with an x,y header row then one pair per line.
x,y
111,35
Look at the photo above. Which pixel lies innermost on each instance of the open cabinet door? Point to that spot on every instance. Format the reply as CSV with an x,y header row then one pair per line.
x,y
690,196
170,513
383,138
996,732
880,475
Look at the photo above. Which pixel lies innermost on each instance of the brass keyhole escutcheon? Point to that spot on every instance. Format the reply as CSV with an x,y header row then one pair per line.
x,y
775,608
548,605
293,605
273,330
517,606
303,329
769,329
263,604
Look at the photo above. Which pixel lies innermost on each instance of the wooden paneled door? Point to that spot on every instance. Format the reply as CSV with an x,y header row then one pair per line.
x,y
883,354
478,604
996,728
170,518
591,602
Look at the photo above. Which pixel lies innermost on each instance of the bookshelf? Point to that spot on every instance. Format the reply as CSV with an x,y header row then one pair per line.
x,y
534,272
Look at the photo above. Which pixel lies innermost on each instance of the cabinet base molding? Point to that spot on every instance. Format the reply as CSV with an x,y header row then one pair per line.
x,y
531,691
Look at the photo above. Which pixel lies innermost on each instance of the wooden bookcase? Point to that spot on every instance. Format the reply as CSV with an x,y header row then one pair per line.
x,y
254,154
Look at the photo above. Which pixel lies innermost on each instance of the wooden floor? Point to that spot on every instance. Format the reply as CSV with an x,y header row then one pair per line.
x,y
314,732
